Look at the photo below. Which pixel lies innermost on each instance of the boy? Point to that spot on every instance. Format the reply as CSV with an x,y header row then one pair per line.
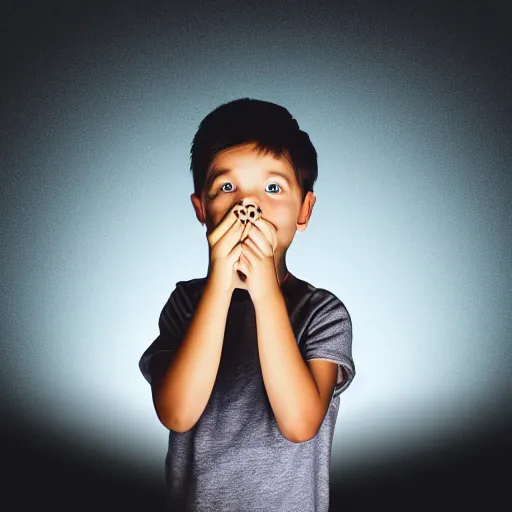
x,y
250,361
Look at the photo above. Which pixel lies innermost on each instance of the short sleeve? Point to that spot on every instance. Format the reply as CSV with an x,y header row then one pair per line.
x,y
329,337
173,323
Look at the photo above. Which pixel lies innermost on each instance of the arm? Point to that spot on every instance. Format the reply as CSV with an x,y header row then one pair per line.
x,y
299,402
182,386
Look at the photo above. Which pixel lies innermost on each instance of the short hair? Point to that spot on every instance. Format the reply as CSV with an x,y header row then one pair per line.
x,y
268,125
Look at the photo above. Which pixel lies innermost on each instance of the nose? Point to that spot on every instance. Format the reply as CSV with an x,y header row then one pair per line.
x,y
248,201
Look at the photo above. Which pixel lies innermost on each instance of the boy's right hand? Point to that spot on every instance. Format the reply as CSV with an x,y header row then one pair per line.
x,y
225,251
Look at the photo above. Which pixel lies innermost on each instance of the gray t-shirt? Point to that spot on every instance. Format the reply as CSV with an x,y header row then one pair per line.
x,y
235,457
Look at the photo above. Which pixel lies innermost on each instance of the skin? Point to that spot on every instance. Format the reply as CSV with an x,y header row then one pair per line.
x,y
281,204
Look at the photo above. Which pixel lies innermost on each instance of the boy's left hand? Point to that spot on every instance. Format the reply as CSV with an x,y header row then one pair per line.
x,y
257,260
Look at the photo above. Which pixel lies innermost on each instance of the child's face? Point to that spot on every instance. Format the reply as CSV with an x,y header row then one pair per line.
x,y
249,177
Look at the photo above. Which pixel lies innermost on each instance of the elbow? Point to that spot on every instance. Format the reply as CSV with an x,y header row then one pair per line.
x,y
301,438
301,435
166,416
171,421
172,416
168,423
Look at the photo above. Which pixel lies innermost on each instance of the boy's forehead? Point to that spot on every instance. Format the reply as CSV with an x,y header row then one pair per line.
x,y
246,157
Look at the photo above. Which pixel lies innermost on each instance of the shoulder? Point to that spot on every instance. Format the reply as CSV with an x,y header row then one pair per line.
x,y
184,297
192,285
317,299
190,289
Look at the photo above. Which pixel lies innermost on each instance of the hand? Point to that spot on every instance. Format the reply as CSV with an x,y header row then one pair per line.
x,y
257,260
225,250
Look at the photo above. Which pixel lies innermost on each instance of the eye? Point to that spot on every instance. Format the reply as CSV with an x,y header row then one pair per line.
x,y
231,185
224,186
276,186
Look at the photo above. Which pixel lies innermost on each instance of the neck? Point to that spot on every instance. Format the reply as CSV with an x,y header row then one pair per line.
x,y
282,271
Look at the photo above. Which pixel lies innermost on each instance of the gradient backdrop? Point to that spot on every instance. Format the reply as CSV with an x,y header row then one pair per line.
x,y
409,109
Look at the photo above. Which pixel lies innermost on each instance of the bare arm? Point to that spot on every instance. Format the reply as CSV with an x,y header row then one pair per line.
x,y
182,386
291,388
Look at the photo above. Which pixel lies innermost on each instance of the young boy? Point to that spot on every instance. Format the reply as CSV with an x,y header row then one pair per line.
x,y
250,361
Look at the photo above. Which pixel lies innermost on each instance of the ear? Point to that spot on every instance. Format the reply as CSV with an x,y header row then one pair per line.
x,y
198,208
306,211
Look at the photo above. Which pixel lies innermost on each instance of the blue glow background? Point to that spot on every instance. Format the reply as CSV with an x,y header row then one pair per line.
x,y
409,110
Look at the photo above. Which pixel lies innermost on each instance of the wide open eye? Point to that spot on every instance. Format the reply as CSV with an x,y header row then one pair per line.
x,y
223,185
231,185
275,184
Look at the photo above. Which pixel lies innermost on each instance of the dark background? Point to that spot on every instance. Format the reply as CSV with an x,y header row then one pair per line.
x,y
39,471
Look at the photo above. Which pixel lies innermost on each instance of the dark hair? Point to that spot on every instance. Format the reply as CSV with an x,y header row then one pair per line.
x,y
271,127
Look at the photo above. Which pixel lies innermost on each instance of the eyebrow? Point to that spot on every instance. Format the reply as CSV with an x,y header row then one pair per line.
x,y
217,173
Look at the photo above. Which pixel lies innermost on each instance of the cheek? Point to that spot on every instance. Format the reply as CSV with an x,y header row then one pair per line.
x,y
286,228
214,214
283,219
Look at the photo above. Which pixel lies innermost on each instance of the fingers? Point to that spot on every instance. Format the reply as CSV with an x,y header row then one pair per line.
x,y
230,238
235,253
238,249
239,232
264,238
268,230
243,263
222,228
245,233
